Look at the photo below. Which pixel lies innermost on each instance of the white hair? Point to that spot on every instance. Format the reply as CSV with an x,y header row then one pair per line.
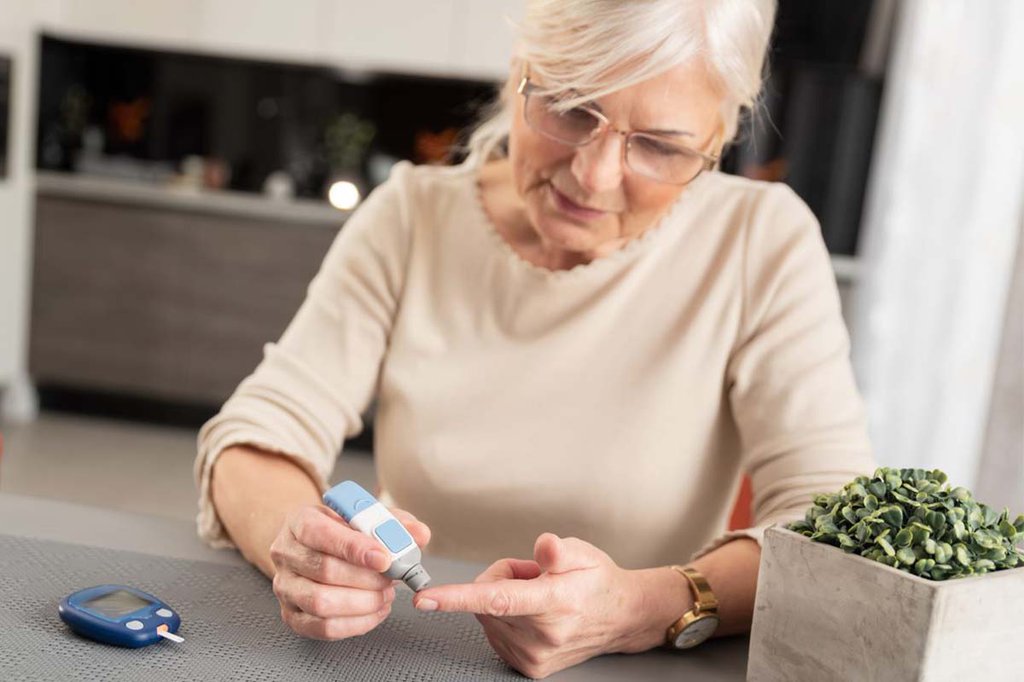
x,y
585,49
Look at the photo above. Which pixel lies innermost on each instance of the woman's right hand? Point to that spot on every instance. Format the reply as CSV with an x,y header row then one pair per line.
x,y
328,576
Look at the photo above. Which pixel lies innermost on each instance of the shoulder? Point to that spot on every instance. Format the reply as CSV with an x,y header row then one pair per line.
x,y
411,196
421,185
758,199
767,217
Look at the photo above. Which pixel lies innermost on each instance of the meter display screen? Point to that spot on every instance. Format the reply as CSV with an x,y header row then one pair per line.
x,y
117,604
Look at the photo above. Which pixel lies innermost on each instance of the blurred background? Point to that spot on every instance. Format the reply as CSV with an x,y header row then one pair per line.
x,y
172,173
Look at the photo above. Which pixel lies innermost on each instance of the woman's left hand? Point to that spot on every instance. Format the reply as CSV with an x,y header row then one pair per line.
x,y
571,603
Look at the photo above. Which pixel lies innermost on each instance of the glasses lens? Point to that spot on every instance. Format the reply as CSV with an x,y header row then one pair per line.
x,y
575,126
662,160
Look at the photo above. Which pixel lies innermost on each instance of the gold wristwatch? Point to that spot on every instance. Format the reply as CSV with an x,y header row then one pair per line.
x,y
700,622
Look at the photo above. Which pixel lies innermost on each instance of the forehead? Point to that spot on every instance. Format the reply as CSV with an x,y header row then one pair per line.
x,y
682,95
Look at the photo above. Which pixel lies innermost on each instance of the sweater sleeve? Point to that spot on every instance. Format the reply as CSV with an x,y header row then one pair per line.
x,y
790,384
306,396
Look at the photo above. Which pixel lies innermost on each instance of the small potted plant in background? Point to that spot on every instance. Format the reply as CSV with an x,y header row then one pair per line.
x,y
897,576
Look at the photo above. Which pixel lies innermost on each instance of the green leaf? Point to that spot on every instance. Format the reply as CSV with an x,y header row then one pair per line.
x,y
904,538
960,530
893,515
800,526
997,554
900,497
878,489
975,518
826,524
846,541
987,539
984,565
936,520
884,544
913,520
924,565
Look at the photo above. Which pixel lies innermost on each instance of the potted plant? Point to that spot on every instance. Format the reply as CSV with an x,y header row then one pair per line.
x,y
897,576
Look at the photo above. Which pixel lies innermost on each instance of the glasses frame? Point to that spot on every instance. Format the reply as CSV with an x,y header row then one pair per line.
x,y
526,88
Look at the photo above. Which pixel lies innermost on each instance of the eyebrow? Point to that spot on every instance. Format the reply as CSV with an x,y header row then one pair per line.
x,y
652,131
676,133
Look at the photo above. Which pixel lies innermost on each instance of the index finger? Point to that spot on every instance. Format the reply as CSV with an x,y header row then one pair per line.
x,y
500,598
333,536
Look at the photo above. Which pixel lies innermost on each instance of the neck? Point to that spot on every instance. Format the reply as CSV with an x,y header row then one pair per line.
x,y
508,216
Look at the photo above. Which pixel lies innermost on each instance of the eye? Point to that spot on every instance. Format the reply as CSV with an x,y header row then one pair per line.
x,y
661,147
579,115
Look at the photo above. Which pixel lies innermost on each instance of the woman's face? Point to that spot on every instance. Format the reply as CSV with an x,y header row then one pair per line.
x,y
557,182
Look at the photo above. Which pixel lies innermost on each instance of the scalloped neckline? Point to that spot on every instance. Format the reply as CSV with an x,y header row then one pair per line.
x,y
631,248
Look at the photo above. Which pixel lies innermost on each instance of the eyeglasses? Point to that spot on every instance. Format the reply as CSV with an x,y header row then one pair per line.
x,y
652,156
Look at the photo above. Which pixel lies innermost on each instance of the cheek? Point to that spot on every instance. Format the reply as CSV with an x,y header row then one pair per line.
x,y
647,203
534,157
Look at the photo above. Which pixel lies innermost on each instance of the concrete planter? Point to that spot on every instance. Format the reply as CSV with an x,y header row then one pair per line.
x,y
822,614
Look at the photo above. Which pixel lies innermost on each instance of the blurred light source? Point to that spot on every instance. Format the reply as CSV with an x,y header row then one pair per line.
x,y
343,195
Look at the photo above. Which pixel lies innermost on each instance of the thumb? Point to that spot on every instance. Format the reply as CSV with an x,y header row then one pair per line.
x,y
561,555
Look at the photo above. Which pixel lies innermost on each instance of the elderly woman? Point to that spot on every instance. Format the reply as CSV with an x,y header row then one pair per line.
x,y
578,340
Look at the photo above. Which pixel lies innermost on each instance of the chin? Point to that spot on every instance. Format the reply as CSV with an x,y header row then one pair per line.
x,y
570,234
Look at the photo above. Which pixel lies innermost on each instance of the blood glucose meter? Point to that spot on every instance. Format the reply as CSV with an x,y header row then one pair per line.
x,y
364,513
119,615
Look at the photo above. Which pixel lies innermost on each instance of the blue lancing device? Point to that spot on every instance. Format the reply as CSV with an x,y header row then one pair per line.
x,y
119,615
363,512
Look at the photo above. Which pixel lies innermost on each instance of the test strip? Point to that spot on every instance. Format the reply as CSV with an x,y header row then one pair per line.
x,y
171,636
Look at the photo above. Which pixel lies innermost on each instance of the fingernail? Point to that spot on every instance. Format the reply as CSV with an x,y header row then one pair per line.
x,y
389,595
426,605
375,559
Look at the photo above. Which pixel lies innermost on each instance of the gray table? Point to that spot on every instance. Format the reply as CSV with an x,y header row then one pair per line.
x,y
227,640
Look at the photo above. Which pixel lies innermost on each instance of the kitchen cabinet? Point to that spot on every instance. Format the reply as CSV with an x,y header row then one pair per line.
x,y
438,37
165,301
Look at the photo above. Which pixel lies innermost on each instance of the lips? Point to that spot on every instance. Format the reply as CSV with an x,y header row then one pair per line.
x,y
571,208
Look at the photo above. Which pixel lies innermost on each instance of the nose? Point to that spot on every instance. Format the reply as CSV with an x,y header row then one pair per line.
x,y
597,166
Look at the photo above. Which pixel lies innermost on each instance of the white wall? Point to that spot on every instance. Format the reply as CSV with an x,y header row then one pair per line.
x,y
442,37
16,198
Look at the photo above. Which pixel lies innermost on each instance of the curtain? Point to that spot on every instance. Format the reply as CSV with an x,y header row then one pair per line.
x,y
941,225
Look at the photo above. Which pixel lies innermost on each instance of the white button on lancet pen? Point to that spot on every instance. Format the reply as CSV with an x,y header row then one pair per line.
x,y
363,512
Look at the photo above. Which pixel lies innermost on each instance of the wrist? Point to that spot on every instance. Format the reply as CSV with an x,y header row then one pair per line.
x,y
659,596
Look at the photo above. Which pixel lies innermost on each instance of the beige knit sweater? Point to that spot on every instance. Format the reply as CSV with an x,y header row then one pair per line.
x,y
618,401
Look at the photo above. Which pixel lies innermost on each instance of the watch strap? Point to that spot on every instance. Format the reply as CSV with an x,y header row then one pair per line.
x,y
704,599
705,604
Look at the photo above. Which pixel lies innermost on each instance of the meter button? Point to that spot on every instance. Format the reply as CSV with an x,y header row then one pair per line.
x,y
134,625
166,613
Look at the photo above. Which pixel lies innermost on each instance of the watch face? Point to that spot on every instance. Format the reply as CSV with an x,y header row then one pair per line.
x,y
696,632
